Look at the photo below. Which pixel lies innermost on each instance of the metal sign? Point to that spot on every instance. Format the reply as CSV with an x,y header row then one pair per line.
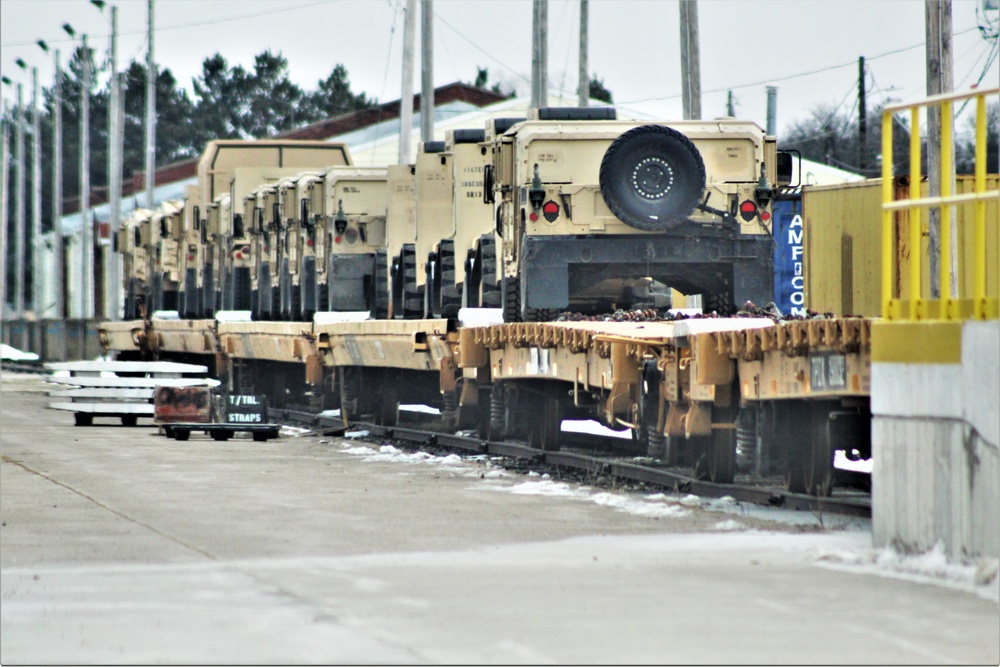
x,y
789,278
246,409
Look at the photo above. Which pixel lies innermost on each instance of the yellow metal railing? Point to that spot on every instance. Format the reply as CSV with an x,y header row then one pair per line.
x,y
981,306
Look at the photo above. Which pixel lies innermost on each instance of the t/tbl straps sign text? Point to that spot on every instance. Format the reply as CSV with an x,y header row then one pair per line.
x,y
246,409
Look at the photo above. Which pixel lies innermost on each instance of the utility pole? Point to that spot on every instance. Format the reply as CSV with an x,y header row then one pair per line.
x,y
940,73
406,95
584,87
427,70
150,115
37,273
690,60
539,54
19,196
112,274
86,225
57,192
862,116
4,215
772,110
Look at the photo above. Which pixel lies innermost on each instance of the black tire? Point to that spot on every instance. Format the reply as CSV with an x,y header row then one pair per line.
x,y
489,289
260,436
450,294
130,420
83,419
220,435
413,295
295,311
511,300
380,286
718,302
182,435
652,177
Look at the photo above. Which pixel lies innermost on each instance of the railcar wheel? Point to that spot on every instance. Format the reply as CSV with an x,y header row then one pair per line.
x,y
545,417
652,177
715,456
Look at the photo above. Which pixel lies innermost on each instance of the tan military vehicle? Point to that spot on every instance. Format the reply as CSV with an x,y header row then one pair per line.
x,y
130,242
400,231
163,254
469,242
197,297
236,167
594,211
350,241
215,229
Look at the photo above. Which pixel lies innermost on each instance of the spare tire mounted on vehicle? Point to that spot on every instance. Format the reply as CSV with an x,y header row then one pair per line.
x,y
652,177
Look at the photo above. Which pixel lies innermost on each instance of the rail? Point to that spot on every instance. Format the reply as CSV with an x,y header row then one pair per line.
x,y
947,307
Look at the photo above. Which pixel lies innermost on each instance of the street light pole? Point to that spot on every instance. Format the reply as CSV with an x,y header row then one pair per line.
x,y
150,115
86,242
19,207
37,273
112,277
57,192
4,216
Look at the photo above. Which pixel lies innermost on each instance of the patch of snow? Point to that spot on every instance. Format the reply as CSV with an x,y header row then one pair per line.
x,y
14,354
166,315
356,434
327,317
294,431
590,426
233,316
729,524
841,461
932,567
330,413
480,317
414,407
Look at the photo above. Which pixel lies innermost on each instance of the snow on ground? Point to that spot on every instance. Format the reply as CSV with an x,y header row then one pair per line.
x,y
14,354
831,540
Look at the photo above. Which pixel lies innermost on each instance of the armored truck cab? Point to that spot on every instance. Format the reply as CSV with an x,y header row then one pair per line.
x,y
593,209
356,202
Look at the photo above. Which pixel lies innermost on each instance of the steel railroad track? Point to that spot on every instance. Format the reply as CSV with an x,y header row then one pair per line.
x,y
846,502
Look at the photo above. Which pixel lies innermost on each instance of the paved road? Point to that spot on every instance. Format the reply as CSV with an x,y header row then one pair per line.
x,y
118,545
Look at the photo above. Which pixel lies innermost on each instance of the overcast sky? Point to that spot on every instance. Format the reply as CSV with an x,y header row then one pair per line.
x,y
808,48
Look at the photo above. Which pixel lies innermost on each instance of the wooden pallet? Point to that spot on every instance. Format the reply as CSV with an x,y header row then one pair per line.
x,y
122,389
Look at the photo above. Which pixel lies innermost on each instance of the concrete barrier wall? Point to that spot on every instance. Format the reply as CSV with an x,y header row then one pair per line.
x,y
53,340
935,437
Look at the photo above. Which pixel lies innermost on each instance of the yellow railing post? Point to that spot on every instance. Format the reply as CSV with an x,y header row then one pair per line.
x,y
888,242
954,302
979,222
945,231
915,254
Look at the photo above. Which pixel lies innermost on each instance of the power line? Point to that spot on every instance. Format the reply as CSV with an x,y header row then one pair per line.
x,y
181,26
852,63
478,48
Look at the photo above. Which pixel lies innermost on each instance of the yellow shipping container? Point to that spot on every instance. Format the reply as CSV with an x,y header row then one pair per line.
x,y
843,240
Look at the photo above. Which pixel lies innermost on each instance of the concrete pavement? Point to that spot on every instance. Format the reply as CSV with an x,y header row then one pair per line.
x,y
118,545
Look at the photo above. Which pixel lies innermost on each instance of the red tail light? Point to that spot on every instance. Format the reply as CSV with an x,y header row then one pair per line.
x,y
748,210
